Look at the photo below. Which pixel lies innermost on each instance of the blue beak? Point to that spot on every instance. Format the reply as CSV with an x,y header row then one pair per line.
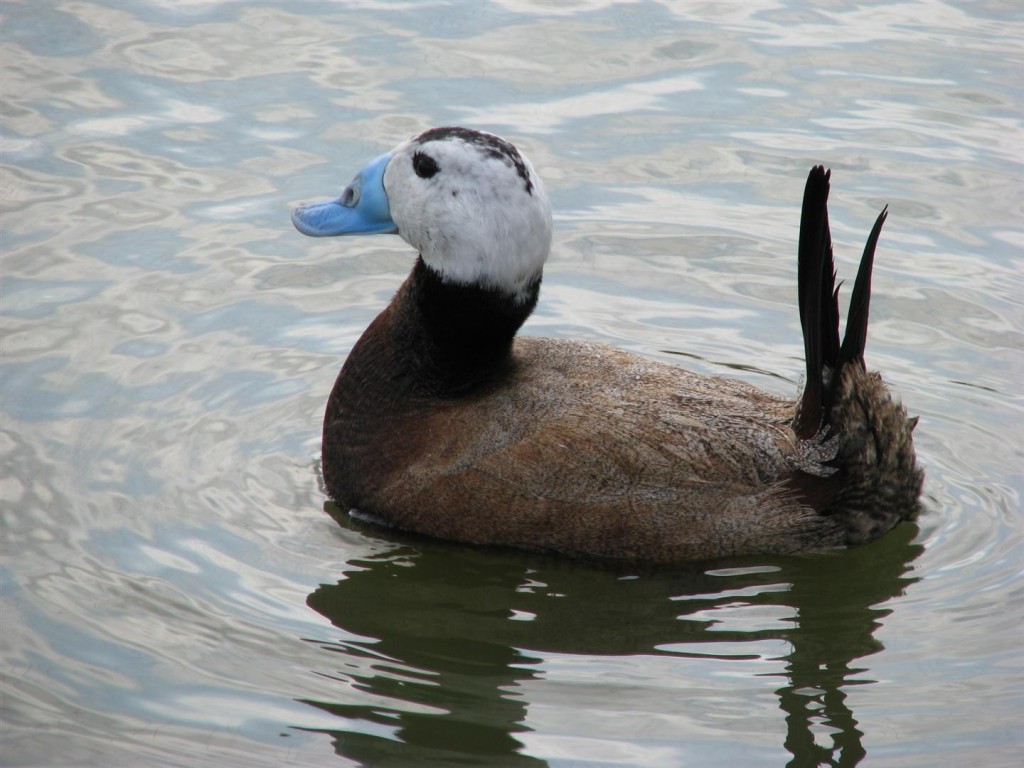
x,y
362,209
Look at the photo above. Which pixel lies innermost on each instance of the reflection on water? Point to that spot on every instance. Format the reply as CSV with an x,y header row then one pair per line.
x,y
443,643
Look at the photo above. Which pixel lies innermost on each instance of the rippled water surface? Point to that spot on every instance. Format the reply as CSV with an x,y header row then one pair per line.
x,y
175,590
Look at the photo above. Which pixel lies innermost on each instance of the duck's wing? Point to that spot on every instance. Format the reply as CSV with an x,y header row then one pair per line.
x,y
590,449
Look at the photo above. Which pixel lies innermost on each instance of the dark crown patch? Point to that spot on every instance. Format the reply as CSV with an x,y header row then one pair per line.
x,y
490,145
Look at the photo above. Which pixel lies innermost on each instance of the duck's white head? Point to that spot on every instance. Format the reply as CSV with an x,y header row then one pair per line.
x,y
468,201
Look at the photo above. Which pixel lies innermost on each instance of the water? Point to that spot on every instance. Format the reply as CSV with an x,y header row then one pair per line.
x,y
176,592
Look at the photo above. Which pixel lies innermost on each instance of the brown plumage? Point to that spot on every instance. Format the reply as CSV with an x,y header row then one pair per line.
x,y
442,422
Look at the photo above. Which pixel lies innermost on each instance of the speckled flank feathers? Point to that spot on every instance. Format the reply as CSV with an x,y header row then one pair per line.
x,y
443,422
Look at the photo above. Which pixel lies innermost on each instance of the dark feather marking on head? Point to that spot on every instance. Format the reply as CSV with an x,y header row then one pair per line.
x,y
488,144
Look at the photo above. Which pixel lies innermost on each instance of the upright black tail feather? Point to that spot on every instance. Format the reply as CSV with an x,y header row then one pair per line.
x,y
875,481
856,335
819,313
819,305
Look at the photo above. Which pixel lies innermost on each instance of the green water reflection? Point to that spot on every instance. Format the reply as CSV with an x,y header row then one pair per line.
x,y
449,636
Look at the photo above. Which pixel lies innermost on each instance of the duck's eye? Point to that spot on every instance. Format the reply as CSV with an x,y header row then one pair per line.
x,y
424,165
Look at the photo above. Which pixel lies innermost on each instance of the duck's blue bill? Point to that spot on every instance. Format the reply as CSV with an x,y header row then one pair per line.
x,y
362,209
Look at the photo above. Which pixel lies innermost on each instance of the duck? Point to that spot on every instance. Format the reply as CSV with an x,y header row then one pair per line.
x,y
445,421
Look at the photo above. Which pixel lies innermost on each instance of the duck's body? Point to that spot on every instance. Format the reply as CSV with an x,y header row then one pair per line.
x,y
443,422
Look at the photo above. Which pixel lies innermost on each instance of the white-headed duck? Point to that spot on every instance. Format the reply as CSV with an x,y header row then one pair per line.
x,y
444,422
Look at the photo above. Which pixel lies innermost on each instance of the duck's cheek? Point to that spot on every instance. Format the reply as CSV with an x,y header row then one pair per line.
x,y
414,224
419,217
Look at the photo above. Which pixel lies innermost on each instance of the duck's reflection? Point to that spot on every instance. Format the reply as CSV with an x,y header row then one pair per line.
x,y
440,642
